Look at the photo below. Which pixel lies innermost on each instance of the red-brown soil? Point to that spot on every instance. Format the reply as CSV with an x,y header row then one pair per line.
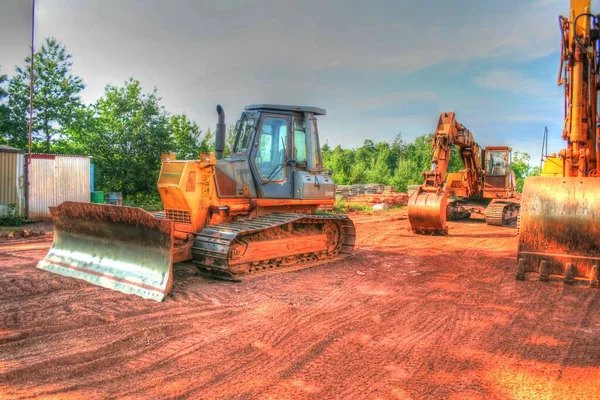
x,y
406,317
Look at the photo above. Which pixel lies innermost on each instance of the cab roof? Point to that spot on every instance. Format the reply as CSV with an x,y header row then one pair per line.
x,y
279,107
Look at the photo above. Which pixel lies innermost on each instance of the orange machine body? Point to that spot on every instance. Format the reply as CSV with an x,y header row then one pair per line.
x,y
197,193
559,231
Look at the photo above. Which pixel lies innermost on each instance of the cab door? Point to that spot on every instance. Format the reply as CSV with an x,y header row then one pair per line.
x,y
270,158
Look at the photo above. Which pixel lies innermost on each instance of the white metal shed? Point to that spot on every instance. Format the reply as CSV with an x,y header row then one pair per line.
x,y
12,180
54,178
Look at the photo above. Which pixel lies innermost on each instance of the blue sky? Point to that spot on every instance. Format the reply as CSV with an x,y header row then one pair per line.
x,y
378,67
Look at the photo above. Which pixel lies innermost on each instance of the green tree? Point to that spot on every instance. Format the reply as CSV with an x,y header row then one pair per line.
x,y
521,168
380,171
229,141
188,139
56,98
129,133
366,153
358,173
407,173
4,111
535,171
340,161
398,145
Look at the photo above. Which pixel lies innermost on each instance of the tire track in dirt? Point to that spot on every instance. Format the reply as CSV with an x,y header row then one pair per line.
x,y
426,317
366,380
232,375
319,324
90,333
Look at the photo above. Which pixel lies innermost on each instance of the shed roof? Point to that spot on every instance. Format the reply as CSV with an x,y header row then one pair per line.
x,y
8,149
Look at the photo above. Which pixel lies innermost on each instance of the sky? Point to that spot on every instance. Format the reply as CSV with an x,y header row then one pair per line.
x,y
378,67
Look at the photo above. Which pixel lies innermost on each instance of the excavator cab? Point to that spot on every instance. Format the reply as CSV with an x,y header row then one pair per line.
x,y
499,177
496,162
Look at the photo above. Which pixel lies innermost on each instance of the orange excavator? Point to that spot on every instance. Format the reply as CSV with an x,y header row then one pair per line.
x,y
559,227
251,212
486,189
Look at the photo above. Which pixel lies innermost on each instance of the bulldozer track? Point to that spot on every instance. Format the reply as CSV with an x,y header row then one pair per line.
x,y
212,249
495,213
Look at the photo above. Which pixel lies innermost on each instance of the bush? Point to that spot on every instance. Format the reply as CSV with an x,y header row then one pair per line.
x,y
12,219
147,201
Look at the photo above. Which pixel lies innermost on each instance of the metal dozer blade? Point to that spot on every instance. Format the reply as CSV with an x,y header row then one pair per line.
x,y
427,212
559,229
120,248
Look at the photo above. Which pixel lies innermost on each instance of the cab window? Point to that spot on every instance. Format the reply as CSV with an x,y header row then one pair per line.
x,y
244,137
496,162
271,154
299,141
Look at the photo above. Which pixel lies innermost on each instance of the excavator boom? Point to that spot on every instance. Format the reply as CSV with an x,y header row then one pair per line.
x,y
427,206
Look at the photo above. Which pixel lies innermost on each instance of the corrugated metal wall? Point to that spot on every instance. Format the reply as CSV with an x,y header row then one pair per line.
x,y
12,182
58,179
72,179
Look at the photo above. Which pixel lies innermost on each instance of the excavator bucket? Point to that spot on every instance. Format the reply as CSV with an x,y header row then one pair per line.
x,y
559,229
120,248
427,212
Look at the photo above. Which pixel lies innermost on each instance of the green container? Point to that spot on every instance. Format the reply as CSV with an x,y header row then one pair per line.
x,y
98,197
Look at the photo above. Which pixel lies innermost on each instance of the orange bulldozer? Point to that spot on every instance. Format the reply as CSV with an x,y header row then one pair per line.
x,y
253,211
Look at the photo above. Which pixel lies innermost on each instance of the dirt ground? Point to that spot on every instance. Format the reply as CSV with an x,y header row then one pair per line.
x,y
406,317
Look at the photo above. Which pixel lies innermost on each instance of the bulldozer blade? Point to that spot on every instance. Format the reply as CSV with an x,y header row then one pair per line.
x,y
427,212
120,248
559,229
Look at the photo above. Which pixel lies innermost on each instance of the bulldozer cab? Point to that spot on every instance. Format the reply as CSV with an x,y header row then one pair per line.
x,y
281,146
499,178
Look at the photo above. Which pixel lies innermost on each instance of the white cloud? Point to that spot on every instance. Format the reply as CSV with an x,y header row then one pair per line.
x,y
512,81
396,98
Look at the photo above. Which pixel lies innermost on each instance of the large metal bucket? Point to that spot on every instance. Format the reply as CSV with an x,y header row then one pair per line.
x,y
559,229
427,212
120,248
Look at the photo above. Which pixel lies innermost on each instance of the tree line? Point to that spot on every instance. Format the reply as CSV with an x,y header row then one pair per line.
x,y
127,129
400,164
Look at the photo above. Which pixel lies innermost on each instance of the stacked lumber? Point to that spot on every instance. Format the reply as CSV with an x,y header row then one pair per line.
x,y
371,194
347,191
391,199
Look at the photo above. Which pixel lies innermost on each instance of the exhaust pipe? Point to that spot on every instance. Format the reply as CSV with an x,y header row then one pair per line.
x,y
220,133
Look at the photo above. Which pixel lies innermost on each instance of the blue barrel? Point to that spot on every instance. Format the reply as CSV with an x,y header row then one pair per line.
x,y
115,198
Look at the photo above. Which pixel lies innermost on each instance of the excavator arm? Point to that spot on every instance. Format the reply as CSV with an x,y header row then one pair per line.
x,y
427,206
450,133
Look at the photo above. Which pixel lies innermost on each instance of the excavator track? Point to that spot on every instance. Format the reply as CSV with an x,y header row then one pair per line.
x,y
500,213
273,242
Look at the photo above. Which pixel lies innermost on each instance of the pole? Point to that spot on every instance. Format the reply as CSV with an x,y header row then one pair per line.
x,y
31,78
28,163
